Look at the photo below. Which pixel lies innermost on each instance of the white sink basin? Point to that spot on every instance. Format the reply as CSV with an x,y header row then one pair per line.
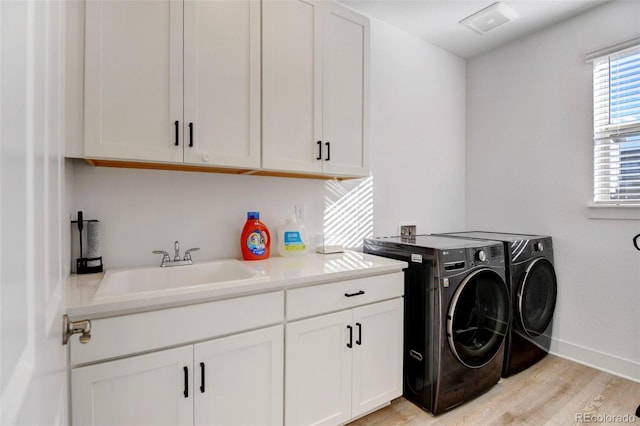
x,y
174,279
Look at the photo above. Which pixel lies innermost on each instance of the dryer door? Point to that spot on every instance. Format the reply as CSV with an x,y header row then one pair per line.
x,y
537,297
478,318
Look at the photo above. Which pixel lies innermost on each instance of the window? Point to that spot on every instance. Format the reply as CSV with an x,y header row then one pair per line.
x,y
616,112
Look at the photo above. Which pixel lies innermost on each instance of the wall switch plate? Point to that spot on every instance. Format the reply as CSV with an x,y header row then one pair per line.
x,y
300,213
407,229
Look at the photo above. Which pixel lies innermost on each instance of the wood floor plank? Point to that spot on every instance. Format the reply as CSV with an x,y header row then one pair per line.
x,y
555,391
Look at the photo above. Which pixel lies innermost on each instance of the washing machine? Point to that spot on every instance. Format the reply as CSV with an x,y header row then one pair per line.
x,y
533,290
456,316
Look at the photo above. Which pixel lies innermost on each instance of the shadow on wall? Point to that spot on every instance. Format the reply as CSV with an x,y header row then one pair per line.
x,y
348,212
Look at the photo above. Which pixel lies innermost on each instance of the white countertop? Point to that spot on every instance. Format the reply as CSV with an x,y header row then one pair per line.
x,y
282,273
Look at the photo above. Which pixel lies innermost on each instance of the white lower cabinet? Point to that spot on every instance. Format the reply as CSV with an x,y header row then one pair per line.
x,y
209,383
239,379
334,353
141,390
344,364
318,370
377,358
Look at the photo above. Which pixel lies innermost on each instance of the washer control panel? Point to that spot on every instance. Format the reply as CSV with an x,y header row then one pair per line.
x,y
492,255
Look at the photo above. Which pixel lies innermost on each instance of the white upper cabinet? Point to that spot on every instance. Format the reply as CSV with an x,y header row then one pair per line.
x,y
315,77
222,82
292,86
133,80
270,86
138,103
345,88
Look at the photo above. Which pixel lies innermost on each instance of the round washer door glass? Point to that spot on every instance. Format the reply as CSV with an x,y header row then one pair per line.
x,y
537,297
478,318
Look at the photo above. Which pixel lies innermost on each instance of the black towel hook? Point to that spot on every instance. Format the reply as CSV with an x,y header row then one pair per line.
x,y
635,241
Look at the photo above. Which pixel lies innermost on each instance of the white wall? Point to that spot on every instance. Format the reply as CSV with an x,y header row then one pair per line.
x,y
34,250
418,133
417,144
529,169
145,210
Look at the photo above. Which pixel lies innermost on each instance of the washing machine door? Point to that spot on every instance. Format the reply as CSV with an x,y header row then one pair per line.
x,y
478,318
537,297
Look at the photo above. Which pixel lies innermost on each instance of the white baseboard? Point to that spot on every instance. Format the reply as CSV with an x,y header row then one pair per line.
x,y
625,368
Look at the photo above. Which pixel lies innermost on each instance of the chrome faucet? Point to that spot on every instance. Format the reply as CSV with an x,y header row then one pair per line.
x,y
176,248
166,259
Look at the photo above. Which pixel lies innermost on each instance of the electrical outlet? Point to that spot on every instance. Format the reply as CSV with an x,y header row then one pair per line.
x,y
300,213
407,229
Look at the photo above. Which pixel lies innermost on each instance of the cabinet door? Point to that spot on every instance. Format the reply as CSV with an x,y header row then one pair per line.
x,y
377,355
318,370
152,389
222,82
243,379
345,116
133,80
292,85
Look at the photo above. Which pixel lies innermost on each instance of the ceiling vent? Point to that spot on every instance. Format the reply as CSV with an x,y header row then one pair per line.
x,y
489,18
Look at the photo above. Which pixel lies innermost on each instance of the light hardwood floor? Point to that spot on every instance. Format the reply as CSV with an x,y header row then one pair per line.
x,y
554,391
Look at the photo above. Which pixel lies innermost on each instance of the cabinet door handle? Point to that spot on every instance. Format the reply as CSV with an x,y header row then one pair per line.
x,y
354,294
350,344
186,382
635,241
328,144
359,341
319,157
190,134
202,377
177,126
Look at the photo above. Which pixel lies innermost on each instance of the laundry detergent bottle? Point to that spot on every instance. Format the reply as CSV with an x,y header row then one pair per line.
x,y
255,239
292,238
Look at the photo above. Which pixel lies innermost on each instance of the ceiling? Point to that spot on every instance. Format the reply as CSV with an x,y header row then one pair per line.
x,y
437,21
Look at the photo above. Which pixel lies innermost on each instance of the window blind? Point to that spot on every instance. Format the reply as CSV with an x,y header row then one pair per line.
x,y
616,113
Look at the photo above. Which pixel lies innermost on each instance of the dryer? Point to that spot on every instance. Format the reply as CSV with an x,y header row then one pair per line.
x,y
533,290
455,317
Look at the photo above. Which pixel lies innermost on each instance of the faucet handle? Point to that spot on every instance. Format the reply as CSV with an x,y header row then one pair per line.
x,y
187,254
165,256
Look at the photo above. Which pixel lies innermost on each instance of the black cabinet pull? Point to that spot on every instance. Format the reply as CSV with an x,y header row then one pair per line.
x,y
190,134
359,341
177,123
202,377
186,382
328,144
350,344
319,157
635,241
354,294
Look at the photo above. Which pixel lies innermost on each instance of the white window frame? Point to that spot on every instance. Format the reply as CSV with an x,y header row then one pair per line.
x,y
607,188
